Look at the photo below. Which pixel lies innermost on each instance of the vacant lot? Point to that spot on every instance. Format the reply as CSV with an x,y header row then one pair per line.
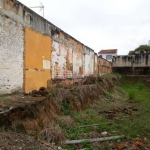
x,y
123,111
126,111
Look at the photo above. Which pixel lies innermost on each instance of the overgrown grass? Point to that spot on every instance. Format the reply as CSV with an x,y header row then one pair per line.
x,y
111,75
132,126
4,98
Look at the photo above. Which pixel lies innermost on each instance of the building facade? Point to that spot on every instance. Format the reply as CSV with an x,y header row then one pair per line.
x,y
108,54
35,53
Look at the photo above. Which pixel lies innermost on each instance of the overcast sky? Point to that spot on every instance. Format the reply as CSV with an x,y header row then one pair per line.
x,y
100,24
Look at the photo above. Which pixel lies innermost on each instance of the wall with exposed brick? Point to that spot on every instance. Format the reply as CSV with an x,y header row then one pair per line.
x,y
104,66
33,51
11,55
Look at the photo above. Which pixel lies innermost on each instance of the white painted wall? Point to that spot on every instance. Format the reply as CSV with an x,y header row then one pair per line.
x,y
104,56
89,62
11,55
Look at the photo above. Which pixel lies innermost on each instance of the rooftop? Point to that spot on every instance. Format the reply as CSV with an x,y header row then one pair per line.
x,y
107,51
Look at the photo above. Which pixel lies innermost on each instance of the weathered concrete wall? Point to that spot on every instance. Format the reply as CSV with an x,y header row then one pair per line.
x,y
88,61
37,60
77,61
62,57
132,61
25,16
11,55
95,64
46,53
104,66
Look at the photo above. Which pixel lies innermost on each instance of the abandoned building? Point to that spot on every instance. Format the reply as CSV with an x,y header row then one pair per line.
x,y
35,53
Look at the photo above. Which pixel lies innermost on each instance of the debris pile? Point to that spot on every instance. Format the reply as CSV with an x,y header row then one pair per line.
x,y
41,92
138,144
111,114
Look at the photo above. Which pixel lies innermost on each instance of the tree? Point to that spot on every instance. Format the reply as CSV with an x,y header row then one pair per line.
x,y
141,49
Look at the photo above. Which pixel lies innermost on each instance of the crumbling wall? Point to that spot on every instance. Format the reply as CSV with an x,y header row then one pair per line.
x,y
32,62
37,60
11,55
141,60
104,66
88,61
62,53
77,61
95,64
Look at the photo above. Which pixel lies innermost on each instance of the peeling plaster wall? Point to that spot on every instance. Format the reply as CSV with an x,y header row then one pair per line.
x,y
88,61
46,53
77,61
95,64
104,66
11,55
61,57
142,60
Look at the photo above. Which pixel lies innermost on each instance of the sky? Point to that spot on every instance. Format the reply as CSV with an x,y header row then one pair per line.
x,y
100,24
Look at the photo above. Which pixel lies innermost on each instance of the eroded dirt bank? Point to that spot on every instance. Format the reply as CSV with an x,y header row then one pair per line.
x,y
29,113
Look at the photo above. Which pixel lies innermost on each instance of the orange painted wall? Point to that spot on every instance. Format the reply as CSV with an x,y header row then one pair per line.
x,y
37,49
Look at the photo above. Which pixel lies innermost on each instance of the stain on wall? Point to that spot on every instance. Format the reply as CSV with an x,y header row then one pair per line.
x,y
95,64
61,57
45,53
104,66
37,60
77,61
89,61
11,55
141,60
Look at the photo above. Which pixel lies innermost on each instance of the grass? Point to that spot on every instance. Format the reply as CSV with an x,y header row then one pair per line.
x,y
132,126
111,75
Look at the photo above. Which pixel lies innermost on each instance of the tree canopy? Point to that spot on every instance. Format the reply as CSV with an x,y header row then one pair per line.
x,y
140,49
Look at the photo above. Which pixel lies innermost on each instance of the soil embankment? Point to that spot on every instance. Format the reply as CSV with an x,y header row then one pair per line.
x,y
29,113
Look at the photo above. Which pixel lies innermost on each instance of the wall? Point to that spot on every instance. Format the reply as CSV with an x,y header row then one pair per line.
x,y
37,60
62,57
11,55
104,55
77,61
104,66
88,61
95,64
46,52
132,61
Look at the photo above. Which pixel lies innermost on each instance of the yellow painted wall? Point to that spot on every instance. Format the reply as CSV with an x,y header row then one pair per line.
x,y
37,49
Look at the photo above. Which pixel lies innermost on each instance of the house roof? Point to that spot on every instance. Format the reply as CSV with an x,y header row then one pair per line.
x,y
108,51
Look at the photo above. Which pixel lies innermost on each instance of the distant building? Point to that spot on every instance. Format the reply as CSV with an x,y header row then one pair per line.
x,y
108,54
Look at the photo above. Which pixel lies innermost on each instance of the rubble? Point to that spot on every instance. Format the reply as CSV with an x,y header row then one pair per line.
x,y
138,144
111,114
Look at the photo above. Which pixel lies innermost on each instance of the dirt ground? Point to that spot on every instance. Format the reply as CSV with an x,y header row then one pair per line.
x,y
18,141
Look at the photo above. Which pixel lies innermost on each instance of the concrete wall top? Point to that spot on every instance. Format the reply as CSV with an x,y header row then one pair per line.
x,y
142,60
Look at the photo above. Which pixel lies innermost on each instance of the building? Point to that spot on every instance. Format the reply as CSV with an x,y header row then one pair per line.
x,y
35,53
108,54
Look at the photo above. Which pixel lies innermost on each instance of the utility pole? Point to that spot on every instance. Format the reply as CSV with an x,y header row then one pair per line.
x,y
42,8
